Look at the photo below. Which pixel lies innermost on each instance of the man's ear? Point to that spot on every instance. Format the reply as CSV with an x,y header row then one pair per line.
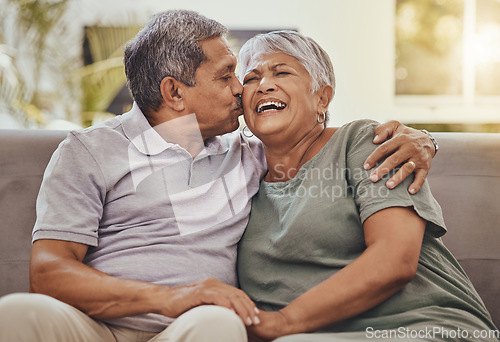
x,y
325,95
172,93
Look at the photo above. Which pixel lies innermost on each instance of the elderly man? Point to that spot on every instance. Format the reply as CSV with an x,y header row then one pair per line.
x,y
138,219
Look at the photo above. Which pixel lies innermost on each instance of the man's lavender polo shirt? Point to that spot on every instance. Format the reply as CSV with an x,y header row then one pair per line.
x,y
146,208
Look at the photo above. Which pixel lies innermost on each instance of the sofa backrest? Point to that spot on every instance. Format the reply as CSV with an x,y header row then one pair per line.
x,y
24,154
465,179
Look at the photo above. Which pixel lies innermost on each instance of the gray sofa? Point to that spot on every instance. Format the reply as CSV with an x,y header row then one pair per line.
x,y
465,179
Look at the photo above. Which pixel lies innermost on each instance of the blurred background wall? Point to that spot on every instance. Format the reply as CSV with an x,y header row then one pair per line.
x,y
431,63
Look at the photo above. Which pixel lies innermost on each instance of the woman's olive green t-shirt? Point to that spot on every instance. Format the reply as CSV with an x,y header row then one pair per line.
x,y
303,230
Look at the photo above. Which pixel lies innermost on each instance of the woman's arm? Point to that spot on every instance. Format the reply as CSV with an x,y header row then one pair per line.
x,y
393,238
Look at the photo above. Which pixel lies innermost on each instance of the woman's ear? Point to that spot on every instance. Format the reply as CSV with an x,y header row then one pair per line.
x,y
172,93
325,95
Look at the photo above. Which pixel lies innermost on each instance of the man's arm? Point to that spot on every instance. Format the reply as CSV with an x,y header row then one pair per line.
x,y
408,147
57,270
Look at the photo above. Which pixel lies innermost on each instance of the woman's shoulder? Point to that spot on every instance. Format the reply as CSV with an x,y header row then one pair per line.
x,y
358,133
357,128
350,138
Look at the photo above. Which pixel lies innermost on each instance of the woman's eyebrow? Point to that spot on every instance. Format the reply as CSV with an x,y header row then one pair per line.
x,y
273,67
276,66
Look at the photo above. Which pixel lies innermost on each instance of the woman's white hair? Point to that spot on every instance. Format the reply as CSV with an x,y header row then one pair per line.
x,y
312,57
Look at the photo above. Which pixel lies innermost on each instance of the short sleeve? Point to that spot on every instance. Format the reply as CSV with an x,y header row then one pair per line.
x,y
70,202
372,197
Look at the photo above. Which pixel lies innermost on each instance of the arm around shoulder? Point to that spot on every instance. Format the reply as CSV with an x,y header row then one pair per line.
x,y
408,147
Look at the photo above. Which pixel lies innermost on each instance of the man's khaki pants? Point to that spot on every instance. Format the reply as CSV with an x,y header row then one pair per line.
x,y
38,318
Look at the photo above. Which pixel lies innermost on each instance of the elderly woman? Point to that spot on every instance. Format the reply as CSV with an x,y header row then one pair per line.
x,y
329,255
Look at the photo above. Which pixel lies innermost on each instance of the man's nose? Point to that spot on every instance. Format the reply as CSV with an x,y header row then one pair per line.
x,y
237,88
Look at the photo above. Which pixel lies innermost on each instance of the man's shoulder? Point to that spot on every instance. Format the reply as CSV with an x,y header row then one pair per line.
x,y
102,128
100,136
251,148
237,137
248,144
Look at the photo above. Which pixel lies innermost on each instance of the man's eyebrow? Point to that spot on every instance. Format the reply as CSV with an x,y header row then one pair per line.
x,y
225,69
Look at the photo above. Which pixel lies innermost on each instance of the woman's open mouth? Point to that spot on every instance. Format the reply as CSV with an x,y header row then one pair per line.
x,y
269,105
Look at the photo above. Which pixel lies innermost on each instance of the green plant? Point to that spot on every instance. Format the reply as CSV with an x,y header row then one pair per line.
x,y
42,76
35,67
105,77
28,53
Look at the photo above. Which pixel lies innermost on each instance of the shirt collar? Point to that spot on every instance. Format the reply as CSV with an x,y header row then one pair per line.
x,y
149,142
214,146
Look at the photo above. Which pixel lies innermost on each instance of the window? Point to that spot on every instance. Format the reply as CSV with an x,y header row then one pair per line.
x,y
448,49
487,47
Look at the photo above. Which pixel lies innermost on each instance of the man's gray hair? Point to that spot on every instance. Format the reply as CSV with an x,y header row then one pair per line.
x,y
169,45
314,59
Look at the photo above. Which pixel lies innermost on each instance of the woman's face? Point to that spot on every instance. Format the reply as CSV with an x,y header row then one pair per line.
x,y
277,96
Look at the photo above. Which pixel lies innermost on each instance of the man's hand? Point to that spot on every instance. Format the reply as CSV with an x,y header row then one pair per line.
x,y
408,147
212,292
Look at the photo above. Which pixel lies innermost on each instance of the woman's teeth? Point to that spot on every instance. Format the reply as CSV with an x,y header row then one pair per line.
x,y
270,105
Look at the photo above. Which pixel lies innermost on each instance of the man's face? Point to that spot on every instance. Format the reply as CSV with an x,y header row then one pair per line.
x,y
215,97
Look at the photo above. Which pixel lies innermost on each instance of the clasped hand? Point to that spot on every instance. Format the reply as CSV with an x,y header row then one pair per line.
x,y
273,325
212,292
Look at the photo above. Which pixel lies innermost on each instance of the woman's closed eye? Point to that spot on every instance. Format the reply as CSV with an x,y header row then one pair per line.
x,y
249,79
255,78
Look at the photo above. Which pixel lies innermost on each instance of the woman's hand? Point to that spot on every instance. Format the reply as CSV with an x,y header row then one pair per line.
x,y
272,325
408,147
